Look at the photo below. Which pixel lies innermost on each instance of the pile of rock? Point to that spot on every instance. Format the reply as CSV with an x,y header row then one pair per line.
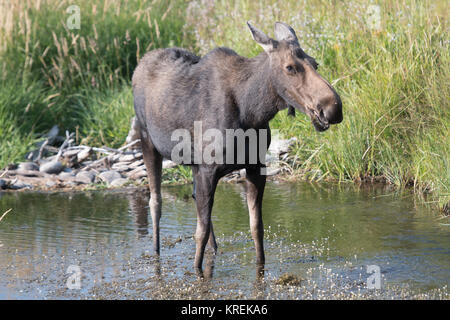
x,y
58,163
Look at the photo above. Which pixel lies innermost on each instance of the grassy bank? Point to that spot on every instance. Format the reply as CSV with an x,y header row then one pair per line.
x,y
392,77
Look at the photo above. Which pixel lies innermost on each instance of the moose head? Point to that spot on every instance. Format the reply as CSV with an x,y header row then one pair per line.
x,y
295,78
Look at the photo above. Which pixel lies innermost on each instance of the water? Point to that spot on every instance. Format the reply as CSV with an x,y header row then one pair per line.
x,y
325,236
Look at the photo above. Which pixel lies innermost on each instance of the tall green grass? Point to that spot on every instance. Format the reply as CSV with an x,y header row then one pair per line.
x,y
78,79
393,80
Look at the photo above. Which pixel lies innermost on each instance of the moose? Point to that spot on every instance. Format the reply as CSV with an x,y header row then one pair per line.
x,y
174,88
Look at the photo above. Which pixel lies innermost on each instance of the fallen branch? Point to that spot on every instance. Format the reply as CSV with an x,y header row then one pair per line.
x,y
63,146
41,150
121,149
93,164
7,211
4,173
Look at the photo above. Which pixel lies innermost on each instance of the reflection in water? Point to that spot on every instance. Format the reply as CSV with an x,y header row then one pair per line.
x,y
324,234
138,203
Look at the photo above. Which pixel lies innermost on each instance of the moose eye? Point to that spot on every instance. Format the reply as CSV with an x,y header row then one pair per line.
x,y
290,68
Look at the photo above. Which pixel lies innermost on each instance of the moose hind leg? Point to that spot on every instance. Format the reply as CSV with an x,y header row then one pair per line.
x,y
205,188
153,163
212,238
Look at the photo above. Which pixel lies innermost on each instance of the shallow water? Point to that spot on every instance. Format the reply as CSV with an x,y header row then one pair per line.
x,y
323,235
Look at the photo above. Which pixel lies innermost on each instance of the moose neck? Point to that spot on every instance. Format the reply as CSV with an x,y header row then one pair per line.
x,y
257,98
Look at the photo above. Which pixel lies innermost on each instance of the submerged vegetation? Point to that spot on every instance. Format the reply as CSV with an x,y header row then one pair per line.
x,y
391,73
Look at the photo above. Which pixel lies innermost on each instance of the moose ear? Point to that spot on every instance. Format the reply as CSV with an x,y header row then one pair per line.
x,y
284,32
261,38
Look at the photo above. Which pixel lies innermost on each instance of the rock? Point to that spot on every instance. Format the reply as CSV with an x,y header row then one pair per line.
x,y
113,158
20,185
3,184
28,166
167,164
289,279
280,146
136,164
137,173
119,182
130,157
271,159
85,177
84,154
66,176
52,167
50,184
70,184
120,166
272,171
28,173
109,176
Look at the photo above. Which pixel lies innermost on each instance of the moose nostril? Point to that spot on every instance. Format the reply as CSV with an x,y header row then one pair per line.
x,y
334,113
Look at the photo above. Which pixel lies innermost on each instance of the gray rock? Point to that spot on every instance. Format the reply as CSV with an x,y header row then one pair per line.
x,y
120,167
27,173
52,167
85,177
50,184
167,164
3,184
280,146
136,164
119,182
128,157
29,166
137,173
109,176
20,185
70,184
272,171
66,176
271,159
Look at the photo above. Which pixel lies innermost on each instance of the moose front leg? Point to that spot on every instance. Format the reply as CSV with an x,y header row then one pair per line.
x,y
255,190
205,188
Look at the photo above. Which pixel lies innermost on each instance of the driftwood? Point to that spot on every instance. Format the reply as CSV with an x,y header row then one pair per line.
x,y
69,166
4,214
